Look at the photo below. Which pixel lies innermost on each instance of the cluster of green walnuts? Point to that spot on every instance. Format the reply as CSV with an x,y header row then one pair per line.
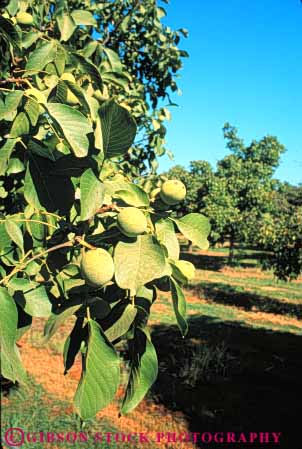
x,y
97,266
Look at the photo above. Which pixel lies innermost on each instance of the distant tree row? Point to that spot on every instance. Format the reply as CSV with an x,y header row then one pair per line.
x,y
245,203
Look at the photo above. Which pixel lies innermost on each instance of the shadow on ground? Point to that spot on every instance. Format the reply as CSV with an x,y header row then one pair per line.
x,y
228,377
221,293
216,262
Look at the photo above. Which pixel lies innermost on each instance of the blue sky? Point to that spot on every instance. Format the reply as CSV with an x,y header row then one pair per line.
x,y
245,67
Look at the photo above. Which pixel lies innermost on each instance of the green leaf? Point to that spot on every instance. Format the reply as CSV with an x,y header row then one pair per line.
x,y
179,306
43,189
82,17
88,68
42,56
15,233
37,231
9,32
100,376
133,195
5,241
99,309
137,263
11,367
75,126
5,153
32,297
114,60
146,293
60,60
71,166
33,110
73,343
92,194
123,323
32,268
24,323
12,101
30,192
15,166
144,369
66,26
118,129
20,126
56,320
166,235
119,79
29,38
195,227
39,149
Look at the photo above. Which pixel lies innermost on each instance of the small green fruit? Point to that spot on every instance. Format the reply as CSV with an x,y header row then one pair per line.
x,y
24,18
184,271
172,192
97,267
132,221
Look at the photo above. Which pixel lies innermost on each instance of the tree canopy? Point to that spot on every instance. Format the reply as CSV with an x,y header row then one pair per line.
x,y
80,239
119,50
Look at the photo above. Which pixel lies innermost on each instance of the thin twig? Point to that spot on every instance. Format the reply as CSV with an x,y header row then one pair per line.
x,y
21,267
14,81
107,208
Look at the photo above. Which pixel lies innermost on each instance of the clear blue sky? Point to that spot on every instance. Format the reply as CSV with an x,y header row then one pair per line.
x,y
245,67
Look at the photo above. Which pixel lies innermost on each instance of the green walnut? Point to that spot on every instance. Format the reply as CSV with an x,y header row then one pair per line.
x,y
132,222
173,192
71,99
97,267
185,271
24,18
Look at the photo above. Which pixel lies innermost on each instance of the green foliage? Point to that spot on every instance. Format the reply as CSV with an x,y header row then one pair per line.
x,y
97,386
81,80
237,194
281,234
119,50
143,369
292,193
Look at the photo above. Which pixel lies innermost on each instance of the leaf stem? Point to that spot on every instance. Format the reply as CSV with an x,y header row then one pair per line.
x,y
22,265
88,314
82,242
28,220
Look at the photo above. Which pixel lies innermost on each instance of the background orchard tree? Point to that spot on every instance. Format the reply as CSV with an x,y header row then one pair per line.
x,y
78,237
237,194
243,186
292,193
280,233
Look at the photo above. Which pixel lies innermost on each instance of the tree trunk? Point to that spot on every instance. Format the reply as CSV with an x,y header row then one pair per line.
x,y
232,248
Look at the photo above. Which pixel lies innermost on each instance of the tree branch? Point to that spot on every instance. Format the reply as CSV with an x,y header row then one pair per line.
x,y
21,267
14,81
